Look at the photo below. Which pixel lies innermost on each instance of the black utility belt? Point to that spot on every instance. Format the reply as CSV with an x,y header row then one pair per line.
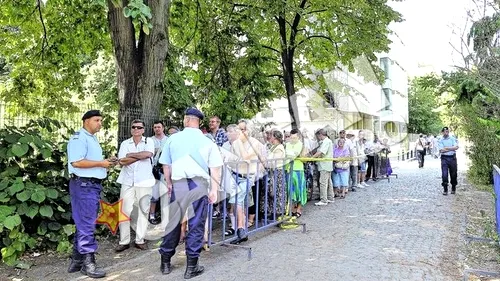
x,y
450,156
85,179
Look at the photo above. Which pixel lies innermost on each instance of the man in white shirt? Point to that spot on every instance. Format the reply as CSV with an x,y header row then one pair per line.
x,y
137,182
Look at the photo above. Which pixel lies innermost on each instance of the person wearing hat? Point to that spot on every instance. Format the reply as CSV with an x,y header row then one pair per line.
x,y
448,146
192,167
87,169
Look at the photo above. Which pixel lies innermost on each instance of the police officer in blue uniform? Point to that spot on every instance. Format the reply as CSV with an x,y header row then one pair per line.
x,y
192,168
87,169
448,146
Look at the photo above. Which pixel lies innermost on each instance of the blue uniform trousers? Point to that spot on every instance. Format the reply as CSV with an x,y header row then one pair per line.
x,y
190,195
449,165
85,197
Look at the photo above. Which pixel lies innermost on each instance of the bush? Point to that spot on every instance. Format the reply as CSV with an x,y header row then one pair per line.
x,y
35,211
485,149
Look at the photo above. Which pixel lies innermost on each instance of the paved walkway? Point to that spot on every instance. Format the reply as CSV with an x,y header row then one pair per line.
x,y
400,230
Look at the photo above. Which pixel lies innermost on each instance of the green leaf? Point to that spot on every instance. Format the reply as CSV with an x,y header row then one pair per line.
x,y
20,149
22,208
12,170
12,221
4,197
69,229
4,183
145,28
31,242
8,251
32,211
12,138
52,193
46,211
42,228
5,211
54,226
46,153
66,199
61,209
16,187
38,196
127,12
23,196
18,246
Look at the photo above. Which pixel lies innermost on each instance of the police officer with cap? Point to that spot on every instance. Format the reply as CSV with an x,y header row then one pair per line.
x,y
192,168
87,169
448,146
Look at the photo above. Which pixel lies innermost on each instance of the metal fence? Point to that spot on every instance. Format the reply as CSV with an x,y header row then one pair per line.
x,y
116,122
12,115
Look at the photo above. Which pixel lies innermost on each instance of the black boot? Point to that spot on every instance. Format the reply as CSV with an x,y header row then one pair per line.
x,y
76,262
192,268
165,266
89,267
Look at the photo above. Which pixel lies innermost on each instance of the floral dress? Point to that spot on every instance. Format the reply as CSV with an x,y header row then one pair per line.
x,y
274,198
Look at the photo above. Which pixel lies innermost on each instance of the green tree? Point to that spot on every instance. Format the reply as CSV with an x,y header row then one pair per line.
x,y
227,77
300,37
423,100
46,45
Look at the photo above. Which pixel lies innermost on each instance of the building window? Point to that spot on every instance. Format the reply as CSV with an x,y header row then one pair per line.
x,y
386,99
385,64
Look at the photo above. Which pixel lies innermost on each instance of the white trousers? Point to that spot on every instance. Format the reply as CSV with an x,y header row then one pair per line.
x,y
140,197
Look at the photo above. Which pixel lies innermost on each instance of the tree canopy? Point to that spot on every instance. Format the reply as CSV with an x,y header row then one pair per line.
x,y
237,53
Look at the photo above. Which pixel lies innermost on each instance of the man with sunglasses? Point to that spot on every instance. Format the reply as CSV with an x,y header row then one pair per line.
x,y
137,181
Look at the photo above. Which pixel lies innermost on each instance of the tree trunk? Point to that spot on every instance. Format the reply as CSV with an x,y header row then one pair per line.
x,y
287,53
140,64
289,81
154,54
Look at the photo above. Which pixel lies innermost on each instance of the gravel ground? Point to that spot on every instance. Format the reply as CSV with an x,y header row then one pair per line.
x,y
398,230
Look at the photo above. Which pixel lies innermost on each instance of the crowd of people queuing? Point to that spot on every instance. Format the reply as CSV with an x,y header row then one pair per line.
x,y
257,170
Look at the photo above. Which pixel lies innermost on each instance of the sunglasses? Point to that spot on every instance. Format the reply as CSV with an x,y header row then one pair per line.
x,y
137,127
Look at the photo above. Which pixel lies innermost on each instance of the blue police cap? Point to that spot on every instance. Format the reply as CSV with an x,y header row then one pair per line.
x,y
444,129
194,112
91,113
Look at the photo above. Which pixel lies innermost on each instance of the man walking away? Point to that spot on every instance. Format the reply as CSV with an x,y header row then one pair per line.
x,y
448,146
192,168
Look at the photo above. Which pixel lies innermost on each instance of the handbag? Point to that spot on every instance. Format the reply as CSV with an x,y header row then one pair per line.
x,y
157,169
344,165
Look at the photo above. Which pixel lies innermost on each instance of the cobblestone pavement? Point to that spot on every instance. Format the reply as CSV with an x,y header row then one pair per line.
x,y
398,230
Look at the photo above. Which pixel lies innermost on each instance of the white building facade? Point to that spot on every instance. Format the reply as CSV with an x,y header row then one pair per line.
x,y
355,101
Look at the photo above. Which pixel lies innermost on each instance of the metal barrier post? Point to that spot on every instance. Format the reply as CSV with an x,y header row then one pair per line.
x,y
269,211
496,189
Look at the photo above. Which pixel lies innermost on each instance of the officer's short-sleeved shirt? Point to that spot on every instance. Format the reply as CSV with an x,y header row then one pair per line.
x,y
447,142
84,145
190,154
